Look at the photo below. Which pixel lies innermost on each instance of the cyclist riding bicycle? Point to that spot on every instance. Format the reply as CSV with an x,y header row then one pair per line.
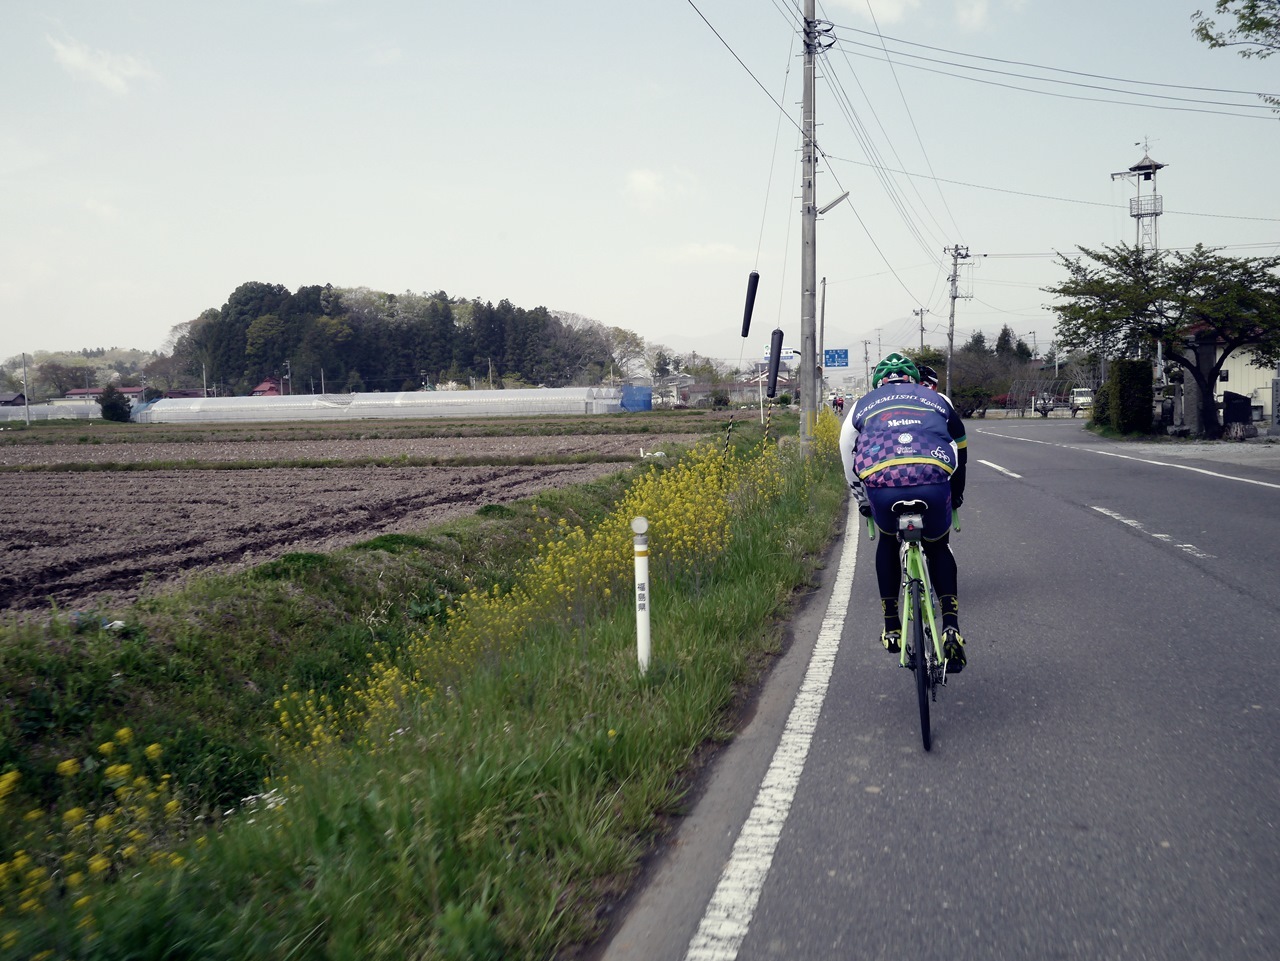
x,y
904,441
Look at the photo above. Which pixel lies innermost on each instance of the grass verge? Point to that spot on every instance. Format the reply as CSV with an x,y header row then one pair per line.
x,y
503,789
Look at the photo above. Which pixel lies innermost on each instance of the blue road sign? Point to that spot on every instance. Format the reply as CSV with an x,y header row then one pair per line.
x,y
835,358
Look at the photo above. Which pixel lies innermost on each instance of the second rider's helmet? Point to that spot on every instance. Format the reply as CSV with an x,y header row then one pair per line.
x,y
895,367
928,376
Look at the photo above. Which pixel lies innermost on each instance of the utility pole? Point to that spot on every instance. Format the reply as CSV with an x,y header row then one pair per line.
x,y
866,365
808,242
26,394
822,323
920,313
958,254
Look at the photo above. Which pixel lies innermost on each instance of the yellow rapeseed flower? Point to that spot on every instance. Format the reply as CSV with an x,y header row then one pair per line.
x,y
107,748
98,864
124,735
69,768
103,823
154,751
72,815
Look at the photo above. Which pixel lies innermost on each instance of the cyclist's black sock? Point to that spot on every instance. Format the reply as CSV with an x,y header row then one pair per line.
x,y
950,605
892,617
942,568
889,577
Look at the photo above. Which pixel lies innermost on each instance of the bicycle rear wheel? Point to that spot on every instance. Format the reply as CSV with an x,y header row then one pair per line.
x,y
920,661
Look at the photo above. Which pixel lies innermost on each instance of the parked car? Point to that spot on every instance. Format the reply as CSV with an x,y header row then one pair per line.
x,y
1081,399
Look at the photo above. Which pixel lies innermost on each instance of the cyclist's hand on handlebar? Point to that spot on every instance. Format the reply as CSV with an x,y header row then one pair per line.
x,y
955,519
864,510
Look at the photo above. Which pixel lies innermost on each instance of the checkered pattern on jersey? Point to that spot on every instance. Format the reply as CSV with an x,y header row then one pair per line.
x,y
906,475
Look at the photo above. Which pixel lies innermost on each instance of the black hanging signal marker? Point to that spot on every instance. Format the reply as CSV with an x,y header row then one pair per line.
x,y
753,281
775,357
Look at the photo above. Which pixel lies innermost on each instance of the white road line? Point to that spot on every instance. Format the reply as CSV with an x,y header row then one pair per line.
x,y
1137,525
1141,460
728,915
1007,473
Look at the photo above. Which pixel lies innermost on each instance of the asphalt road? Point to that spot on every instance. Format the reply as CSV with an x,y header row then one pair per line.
x,y
1105,776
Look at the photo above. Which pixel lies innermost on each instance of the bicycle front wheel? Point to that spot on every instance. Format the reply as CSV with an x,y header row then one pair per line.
x,y
920,660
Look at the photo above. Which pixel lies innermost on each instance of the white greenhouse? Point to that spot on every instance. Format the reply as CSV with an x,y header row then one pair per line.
x,y
460,403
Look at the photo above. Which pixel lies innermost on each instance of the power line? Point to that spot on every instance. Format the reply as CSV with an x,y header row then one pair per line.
x,y
1068,83
1065,200
1066,96
1039,66
744,66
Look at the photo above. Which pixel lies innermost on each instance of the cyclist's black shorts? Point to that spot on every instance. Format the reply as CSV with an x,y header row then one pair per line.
x,y
937,519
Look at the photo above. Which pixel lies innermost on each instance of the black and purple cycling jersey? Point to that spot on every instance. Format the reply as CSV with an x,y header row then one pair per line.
x,y
903,435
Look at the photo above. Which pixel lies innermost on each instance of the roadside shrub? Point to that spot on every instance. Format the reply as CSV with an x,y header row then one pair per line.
x,y
1129,396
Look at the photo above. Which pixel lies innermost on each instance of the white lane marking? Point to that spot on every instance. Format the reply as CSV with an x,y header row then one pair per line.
x,y
1137,525
1141,460
1007,473
728,915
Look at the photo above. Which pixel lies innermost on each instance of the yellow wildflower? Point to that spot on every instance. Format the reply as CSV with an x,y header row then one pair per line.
x,y
124,735
72,815
98,864
69,767
154,751
103,823
107,749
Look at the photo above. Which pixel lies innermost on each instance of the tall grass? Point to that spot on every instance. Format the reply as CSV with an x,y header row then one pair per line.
x,y
485,788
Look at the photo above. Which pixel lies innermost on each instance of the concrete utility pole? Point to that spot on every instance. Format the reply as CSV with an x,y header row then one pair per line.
x,y
958,254
26,393
920,313
808,243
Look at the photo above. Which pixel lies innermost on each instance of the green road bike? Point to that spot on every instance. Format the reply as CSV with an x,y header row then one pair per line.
x,y
921,647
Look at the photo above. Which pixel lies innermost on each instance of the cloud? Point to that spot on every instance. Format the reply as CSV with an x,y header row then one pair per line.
x,y
886,11
972,13
386,55
645,188
112,70
708,253
102,209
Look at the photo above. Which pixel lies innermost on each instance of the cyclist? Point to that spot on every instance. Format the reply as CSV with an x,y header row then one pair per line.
x,y
904,441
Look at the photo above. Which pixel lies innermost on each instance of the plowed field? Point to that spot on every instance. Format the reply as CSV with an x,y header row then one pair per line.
x,y
80,537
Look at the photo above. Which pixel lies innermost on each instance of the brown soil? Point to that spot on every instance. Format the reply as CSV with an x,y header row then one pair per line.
x,y
84,539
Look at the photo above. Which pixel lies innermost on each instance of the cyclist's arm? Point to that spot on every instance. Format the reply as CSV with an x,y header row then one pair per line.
x,y
848,444
956,427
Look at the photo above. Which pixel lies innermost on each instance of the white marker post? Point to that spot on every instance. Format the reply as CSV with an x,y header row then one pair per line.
x,y
640,527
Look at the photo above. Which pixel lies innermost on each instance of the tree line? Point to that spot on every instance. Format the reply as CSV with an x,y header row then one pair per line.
x,y
346,340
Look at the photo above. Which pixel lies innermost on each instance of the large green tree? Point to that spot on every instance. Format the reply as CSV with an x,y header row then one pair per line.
x,y
1197,306
58,378
1257,29
1256,33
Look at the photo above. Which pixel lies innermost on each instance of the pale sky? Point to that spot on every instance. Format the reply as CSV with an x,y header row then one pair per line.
x,y
612,159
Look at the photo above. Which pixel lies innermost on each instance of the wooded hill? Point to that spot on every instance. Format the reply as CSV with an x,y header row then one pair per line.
x,y
342,340
337,340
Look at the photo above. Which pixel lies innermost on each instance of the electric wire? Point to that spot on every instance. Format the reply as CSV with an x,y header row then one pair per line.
x,y
773,157
1066,96
915,129
1068,83
1040,66
1036,196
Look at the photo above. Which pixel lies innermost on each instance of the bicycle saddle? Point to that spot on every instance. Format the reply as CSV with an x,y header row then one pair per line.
x,y
910,507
